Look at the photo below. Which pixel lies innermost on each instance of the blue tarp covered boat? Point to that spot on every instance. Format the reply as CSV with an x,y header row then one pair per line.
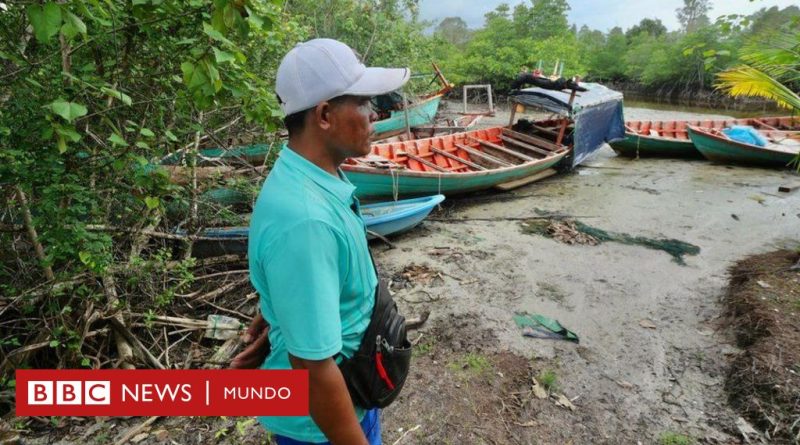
x,y
595,115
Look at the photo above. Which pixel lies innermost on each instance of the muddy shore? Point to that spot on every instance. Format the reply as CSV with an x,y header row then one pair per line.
x,y
654,348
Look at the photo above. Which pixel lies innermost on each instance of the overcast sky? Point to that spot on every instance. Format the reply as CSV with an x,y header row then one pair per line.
x,y
597,14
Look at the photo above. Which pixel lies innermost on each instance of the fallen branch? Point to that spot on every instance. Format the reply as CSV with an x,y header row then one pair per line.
x,y
124,348
213,261
27,349
131,339
33,295
382,238
34,237
221,290
105,228
136,430
224,354
396,442
413,323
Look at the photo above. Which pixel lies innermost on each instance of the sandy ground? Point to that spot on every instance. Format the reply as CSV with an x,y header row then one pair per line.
x,y
654,349
630,383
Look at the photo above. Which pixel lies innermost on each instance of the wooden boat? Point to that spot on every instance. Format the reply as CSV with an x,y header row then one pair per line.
x,y
381,218
388,218
463,123
782,150
671,138
252,154
418,114
455,163
421,113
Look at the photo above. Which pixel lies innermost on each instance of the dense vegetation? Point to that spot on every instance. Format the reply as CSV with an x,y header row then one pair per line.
x,y
647,54
92,95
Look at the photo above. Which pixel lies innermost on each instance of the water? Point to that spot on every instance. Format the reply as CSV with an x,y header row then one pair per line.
x,y
632,101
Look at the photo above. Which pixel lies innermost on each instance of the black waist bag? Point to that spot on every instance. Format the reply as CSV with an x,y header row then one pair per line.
x,y
377,371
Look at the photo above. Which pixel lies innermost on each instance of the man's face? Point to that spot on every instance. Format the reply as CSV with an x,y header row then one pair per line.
x,y
351,120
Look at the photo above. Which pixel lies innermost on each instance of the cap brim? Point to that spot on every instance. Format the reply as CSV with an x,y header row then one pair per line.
x,y
377,81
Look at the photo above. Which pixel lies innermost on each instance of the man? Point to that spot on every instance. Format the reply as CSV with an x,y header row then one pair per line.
x,y
308,252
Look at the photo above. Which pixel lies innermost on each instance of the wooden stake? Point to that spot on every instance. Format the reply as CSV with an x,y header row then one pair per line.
x,y
566,121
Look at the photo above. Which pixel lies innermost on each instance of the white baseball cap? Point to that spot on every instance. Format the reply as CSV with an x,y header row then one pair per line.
x,y
321,69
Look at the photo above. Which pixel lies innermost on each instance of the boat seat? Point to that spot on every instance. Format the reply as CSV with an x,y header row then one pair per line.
x,y
373,160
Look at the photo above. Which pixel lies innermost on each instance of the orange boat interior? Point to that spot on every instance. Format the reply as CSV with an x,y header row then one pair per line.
x,y
477,150
677,129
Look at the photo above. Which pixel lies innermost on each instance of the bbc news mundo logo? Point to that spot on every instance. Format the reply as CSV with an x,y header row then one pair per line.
x,y
87,393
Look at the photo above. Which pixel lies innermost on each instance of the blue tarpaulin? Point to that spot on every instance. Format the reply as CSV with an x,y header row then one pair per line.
x,y
746,134
597,114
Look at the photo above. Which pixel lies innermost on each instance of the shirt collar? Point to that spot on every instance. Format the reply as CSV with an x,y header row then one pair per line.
x,y
340,187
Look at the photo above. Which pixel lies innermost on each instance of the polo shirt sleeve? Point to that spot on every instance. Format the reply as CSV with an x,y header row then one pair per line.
x,y
303,278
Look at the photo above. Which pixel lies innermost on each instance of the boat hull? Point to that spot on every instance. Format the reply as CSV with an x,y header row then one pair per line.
x,y
386,184
419,114
718,149
642,146
449,164
400,221
383,218
670,139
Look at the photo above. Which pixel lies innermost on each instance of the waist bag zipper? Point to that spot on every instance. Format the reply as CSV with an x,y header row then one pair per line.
x,y
379,360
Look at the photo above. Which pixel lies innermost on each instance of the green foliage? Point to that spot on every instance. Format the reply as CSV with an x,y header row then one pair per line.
x,y
646,54
549,380
454,31
670,438
651,27
472,363
383,32
770,68
497,52
122,84
92,94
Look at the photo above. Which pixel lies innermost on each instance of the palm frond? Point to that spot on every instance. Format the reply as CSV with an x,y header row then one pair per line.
x,y
775,53
748,81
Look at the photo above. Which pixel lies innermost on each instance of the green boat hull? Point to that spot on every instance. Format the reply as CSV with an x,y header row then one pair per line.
x,y
642,146
384,185
726,151
420,114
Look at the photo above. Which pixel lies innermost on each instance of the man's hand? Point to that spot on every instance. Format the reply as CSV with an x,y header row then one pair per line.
x,y
330,403
253,355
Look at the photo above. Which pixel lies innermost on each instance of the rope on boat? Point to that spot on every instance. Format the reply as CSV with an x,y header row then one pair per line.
x,y
395,183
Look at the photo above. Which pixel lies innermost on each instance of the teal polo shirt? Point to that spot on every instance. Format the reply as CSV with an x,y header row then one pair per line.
x,y
310,264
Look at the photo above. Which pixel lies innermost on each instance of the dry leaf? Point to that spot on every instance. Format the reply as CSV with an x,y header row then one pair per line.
x,y
527,424
624,384
763,284
139,437
538,391
563,401
647,324
746,430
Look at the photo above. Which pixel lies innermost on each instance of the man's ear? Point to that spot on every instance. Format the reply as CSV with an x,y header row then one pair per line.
x,y
322,115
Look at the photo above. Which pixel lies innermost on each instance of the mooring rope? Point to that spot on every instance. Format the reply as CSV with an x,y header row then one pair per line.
x,y
395,183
